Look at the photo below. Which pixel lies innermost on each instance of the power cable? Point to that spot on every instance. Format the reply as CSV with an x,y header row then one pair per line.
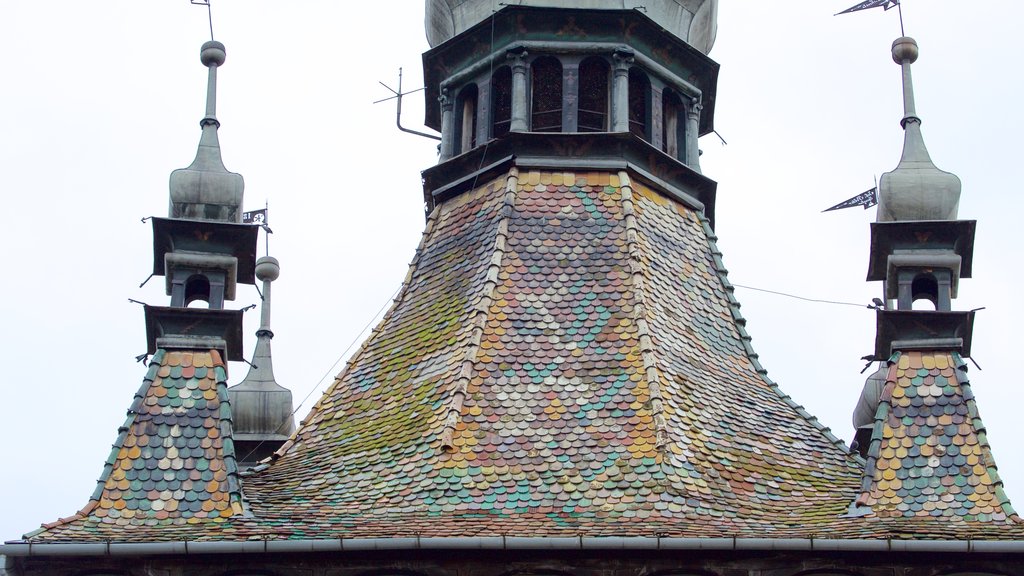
x,y
805,299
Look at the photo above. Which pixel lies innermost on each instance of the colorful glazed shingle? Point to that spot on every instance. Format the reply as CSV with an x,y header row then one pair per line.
x,y
565,358
928,455
172,463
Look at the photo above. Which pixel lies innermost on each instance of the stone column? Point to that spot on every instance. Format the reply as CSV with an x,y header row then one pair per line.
x,y
483,112
657,117
520,103
620,90
692,131
447,127
570,94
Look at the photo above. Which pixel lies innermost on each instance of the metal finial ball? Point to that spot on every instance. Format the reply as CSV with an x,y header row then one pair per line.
x,y
267,268
212,54
904,50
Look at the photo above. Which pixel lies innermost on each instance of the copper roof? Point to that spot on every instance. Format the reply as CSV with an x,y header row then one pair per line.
x,y
565,358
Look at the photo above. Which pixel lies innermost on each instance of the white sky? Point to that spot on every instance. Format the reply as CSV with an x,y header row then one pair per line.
x,y
103,100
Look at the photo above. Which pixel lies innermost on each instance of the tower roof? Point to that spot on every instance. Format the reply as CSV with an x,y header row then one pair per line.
x,y
565,358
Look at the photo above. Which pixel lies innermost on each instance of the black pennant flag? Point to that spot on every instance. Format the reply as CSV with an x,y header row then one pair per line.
x,y
866,199
255,217
871,4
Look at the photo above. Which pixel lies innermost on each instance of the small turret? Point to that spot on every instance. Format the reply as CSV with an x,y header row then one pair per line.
x,y
917,426
261,408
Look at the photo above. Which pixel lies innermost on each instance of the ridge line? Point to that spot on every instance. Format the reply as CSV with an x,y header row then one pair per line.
x,y
646,342
108,464
235,494
480,314
999,492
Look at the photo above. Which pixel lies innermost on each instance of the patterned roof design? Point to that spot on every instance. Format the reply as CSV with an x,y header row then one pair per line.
x,y
565,358
172,462
928,455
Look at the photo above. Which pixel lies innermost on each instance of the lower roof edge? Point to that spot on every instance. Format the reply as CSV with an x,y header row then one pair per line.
x,y
44,549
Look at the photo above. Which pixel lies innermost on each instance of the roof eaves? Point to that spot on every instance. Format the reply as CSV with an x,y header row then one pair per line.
x,y
192,547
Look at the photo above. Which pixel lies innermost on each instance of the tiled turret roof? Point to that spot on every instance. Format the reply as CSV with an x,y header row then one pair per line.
x,y
565,358
929,456
172,464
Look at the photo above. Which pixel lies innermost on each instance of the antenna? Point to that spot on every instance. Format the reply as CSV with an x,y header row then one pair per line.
x,y
398,96
209,12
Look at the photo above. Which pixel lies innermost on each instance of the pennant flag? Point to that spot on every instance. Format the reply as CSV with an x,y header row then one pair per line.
x,y
255,217
871,4
865,199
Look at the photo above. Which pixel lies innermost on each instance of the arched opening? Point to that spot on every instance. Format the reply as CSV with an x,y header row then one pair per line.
x,y
501,101
592,115
546,88
924,290
639,104
197,289
673,124
465,119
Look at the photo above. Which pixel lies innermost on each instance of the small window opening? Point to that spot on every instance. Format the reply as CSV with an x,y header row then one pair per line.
x,y
673,124
465,120
593,99
925,289
546,80
197,289
639,99
501,101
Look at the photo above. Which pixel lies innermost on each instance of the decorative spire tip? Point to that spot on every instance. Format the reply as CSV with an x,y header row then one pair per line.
x,y
212,54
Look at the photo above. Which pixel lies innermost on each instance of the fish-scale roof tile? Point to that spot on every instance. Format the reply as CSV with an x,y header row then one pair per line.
x,y
565,358
929,456
172,464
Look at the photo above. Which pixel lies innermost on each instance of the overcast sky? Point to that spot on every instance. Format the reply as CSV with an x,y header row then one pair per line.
x,y
102,100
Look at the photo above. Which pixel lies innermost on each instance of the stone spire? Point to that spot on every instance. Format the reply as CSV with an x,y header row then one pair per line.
x,y
261,408
206,190
916,189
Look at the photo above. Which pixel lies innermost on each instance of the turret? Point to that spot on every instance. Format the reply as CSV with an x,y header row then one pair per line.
x,y
599,86
917,423
261,408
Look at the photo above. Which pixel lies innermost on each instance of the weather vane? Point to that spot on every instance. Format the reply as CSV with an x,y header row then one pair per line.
x,y
209,12
868,198
878,4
